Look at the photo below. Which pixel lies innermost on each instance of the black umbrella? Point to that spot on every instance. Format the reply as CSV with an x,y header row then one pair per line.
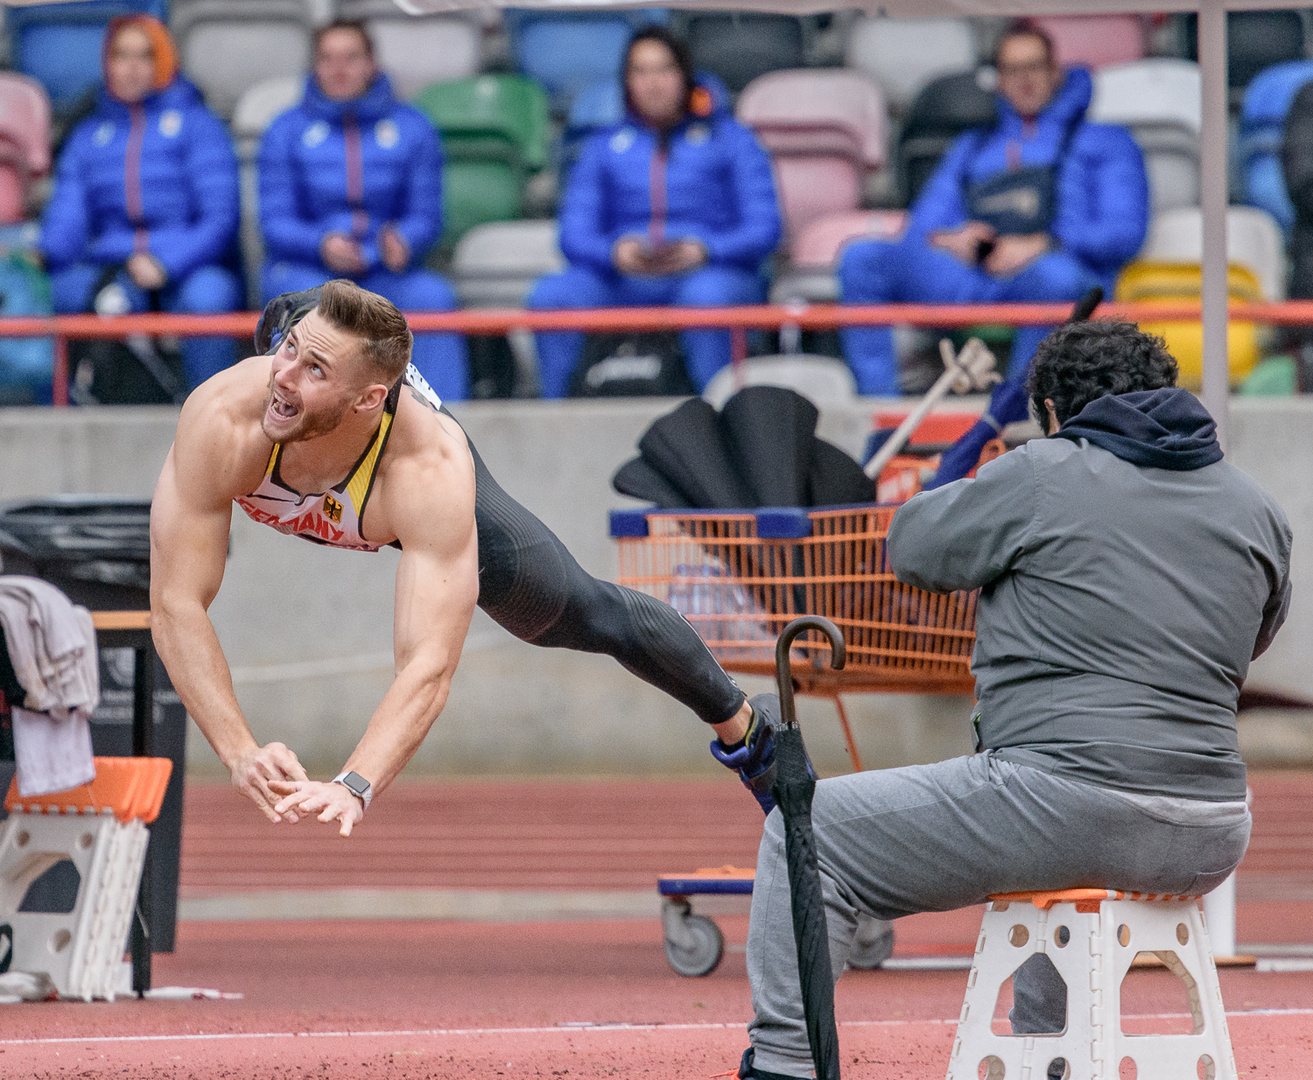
x,y
794,787
770,431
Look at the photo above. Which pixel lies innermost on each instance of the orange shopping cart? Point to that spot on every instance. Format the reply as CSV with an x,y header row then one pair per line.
x,y
740,577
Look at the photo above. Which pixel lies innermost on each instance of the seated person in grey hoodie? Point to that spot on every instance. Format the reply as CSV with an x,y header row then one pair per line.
x,y
1128,575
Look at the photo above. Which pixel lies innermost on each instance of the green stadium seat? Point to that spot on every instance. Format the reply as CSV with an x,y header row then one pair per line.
x,y
510,107
494,133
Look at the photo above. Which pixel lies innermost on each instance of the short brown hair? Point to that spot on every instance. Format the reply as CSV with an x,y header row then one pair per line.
x,y
356,26
385,338
1027,28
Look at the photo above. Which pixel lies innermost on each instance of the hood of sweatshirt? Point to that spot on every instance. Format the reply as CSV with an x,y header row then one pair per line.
x,y
1158,429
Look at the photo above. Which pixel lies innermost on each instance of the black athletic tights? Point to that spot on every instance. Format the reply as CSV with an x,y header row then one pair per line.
x,y
530,584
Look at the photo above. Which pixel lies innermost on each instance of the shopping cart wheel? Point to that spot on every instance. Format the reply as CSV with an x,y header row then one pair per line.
x,y
694,944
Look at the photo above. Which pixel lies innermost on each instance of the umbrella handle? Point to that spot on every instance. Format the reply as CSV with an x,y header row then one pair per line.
x,y
783,670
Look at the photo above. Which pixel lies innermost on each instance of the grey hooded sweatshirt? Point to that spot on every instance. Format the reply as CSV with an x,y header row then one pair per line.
x,y
1128,575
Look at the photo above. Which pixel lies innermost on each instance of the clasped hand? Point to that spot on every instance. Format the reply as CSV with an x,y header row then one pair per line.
x,y
272,778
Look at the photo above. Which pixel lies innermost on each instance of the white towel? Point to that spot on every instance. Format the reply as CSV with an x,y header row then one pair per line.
x,y
52,646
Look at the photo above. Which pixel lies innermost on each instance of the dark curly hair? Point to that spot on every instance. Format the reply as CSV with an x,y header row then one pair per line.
x,y
1082,361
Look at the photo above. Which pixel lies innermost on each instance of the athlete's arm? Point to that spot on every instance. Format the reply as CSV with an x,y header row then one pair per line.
x,y
428,502
190,516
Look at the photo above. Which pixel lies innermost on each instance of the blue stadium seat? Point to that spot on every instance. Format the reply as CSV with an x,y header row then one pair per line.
x,y
598,105
567,51
1262,131
59,44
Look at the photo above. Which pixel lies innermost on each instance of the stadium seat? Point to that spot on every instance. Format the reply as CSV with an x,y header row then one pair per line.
x,y
509,108
809,276
1267,102
417,50
59,45
1253,240
1158,100
823,380
1095,41
255,111
737,47
1254,40
825,130
1185,338
942,111
24,142
598,105
496,264
903,55
228,46
494,132
565,51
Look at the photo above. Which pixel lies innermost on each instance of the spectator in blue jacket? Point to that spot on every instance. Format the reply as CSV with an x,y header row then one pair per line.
x,y
1040,207
351,187
146,194
676,205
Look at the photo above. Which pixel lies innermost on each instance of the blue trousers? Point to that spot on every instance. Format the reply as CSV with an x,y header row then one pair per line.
x,y
911,271
706,351
441,358
207,290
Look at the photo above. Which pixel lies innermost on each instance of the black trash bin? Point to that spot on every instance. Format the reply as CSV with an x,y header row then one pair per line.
x,y
96,549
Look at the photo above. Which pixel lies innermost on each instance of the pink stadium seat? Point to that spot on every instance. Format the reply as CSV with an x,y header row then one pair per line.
x,y
1094,41
824,129
819,243
24,142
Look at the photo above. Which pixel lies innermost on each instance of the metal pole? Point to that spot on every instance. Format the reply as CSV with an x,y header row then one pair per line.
x,y
1213,196
143,745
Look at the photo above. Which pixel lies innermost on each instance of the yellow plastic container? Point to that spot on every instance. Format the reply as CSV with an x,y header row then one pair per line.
x,y
1146,281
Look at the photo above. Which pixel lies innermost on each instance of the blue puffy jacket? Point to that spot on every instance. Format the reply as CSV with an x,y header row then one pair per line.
x,y
159,176
349,167
716,188
1102,190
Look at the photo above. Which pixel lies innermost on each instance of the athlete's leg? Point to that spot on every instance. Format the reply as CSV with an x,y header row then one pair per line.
x,y
284,277
882,272
441,358
70,288
207,289
558,352
707,351
1050,279
530,584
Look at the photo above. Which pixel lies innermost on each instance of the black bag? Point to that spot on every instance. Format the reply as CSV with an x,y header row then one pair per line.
x,y
1020,201
631,365
140,370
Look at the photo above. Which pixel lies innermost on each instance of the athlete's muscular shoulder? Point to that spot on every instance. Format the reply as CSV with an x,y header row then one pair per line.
x,y
219,446
424,489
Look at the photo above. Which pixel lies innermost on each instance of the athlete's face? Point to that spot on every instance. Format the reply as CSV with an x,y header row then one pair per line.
x,y
314,381
130,66
655,84
343,67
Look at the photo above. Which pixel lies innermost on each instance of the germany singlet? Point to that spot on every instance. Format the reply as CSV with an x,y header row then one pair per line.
x,y
331,517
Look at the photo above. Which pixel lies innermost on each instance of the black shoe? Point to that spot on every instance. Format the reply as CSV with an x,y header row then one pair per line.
x,y
748,1072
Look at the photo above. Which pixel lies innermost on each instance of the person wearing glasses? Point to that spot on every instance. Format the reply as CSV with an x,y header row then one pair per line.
x,y
1039,207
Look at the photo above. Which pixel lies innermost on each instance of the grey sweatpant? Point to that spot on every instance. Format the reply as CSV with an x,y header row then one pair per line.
x,y
936,837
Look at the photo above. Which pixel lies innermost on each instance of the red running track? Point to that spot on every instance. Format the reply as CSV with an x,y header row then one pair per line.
x,y
573,999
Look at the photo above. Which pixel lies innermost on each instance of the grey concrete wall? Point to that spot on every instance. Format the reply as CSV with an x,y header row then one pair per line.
x,y
308,629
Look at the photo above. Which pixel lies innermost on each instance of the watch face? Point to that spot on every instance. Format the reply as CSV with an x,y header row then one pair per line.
x,y
356,783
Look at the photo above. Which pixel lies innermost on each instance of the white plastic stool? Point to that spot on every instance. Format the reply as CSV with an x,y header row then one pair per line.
x,y
101,828
1092,936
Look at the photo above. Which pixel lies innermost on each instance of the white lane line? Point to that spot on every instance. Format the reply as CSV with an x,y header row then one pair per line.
x,y
564,1028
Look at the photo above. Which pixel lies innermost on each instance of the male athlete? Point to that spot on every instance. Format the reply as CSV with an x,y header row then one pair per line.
x,y
337,439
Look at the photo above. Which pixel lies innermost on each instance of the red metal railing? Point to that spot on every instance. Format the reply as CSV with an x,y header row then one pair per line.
x,y
64,328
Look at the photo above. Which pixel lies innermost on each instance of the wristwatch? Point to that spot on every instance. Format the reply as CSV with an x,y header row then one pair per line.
x,y
357,785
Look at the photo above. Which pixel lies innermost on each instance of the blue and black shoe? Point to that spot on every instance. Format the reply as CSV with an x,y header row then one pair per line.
x,y
754,758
